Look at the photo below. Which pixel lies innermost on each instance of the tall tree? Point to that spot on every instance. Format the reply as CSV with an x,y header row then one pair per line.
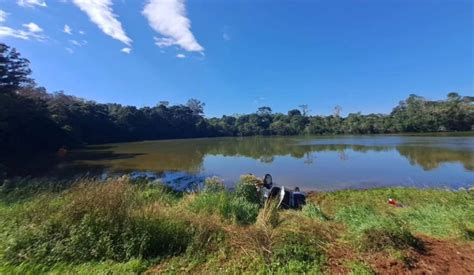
x,y
14,70
196,106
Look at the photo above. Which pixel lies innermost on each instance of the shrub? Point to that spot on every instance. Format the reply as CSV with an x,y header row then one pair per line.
x,y
242,211
246,188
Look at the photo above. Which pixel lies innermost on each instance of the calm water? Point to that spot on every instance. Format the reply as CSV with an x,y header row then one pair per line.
x,y
321,163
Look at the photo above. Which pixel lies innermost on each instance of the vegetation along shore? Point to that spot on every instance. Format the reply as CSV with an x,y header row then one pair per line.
x,y
35,120
133,226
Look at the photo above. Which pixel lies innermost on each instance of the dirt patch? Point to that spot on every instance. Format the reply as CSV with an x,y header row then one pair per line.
x,y
439,257
446,257
339,255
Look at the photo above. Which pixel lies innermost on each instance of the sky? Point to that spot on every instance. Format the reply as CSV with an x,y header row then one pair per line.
x,y
238,55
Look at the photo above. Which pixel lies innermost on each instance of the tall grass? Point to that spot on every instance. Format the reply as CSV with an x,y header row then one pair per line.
x,y
97,222
215,200
127,226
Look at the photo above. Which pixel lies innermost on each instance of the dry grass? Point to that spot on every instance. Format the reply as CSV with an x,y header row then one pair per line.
x,y
112,199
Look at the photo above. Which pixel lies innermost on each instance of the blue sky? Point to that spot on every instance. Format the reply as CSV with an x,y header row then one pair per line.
x,y
239,55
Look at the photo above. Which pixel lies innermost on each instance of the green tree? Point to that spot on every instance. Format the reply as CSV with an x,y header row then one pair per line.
x,y
14,70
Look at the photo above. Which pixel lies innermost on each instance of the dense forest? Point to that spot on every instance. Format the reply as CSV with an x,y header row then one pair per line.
x,y
34,120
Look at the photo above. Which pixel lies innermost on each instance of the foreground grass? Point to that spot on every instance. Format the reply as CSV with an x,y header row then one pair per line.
x,y
124,226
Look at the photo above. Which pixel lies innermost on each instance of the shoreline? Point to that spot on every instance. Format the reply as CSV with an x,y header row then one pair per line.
x,y
132,226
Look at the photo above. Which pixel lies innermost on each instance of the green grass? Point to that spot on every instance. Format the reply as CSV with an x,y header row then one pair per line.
x,y
107,267
437,213
122,226
358,268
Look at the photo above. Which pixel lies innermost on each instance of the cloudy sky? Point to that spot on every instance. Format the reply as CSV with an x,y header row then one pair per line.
x,y
238,55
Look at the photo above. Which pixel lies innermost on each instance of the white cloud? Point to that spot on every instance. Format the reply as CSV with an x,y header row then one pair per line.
x,y
67,29
168,17
32,3
69,50
163,42
9,32
78,43
3,15
126,50
81,32
180,55
20,34
32,27
100,12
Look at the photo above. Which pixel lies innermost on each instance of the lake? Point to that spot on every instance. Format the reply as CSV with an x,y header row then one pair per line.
x,y
311,163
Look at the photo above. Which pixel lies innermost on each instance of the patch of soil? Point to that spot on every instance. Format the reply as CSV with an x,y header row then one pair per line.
x,y
438,257
447,257
339,254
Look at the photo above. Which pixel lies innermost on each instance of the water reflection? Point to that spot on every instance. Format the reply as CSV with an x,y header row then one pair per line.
x,y
324,163
431,158
189,155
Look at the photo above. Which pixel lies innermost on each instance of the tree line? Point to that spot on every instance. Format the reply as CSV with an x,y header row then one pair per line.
x,y
34,120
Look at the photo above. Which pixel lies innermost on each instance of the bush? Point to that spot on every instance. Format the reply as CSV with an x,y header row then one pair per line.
x,y
243,212
246,188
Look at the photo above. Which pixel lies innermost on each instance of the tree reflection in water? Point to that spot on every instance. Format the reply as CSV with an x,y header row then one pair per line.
x,y
189,155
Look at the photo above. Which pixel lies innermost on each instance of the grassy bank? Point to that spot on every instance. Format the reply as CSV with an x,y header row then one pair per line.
x,y
124,226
